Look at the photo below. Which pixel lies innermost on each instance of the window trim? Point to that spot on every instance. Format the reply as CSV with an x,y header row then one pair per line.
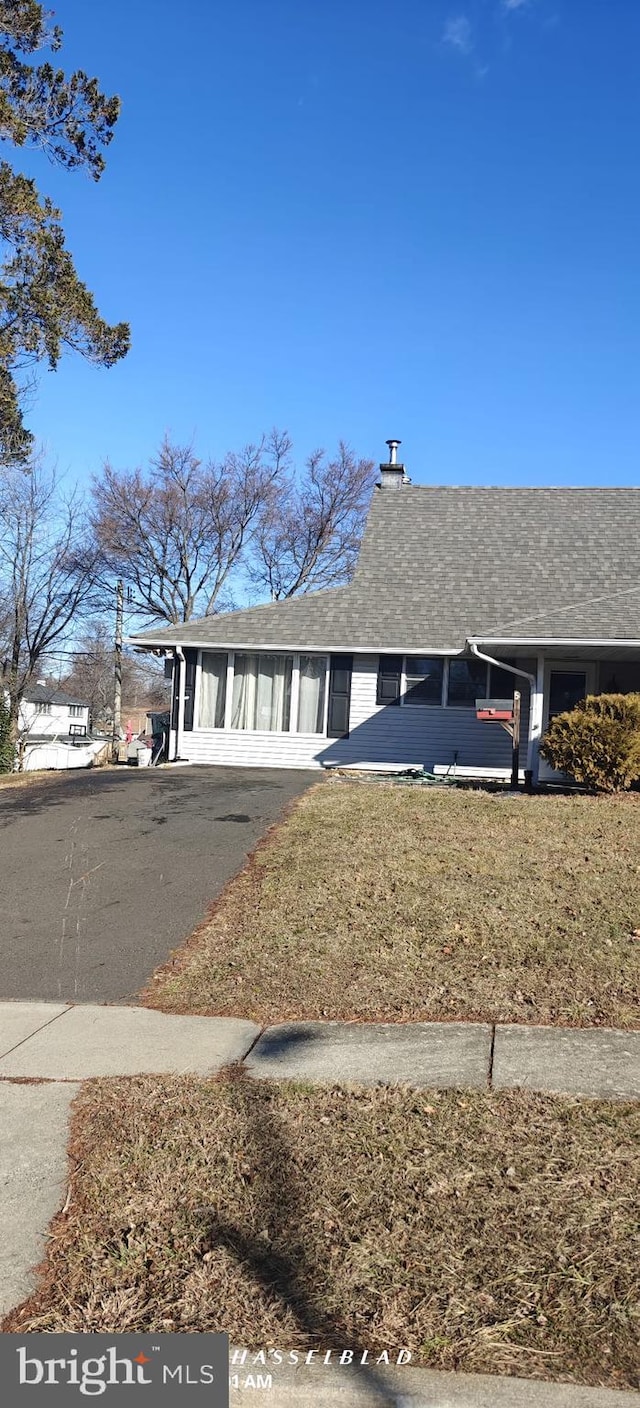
x,y
444,697
467,703
424,703
262,732
294,655
197,726
318,655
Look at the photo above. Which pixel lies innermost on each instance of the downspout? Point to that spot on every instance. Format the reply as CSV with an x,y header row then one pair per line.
x,y
524,674
180,714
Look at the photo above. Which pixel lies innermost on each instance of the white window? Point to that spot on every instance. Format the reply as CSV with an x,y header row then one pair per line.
x,y
262,693
213,689
42,707
313,675
76,711
423,679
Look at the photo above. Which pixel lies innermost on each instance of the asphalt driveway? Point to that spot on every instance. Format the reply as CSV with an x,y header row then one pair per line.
x,y
102,874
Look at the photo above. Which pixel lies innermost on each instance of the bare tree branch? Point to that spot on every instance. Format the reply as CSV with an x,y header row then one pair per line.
x,y
47,566
176,532
183,531
91,669
311,537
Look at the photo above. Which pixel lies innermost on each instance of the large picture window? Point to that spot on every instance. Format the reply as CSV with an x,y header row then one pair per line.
x,y
313,673
213,689
262,693
467,682
424,679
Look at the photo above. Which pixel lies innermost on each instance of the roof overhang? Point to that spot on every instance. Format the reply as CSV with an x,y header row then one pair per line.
x,y
560,648
570,648
288,649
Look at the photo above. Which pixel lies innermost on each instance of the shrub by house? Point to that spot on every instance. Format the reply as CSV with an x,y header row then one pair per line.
x,y
597,742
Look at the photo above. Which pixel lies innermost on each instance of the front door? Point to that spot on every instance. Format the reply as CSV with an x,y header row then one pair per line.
x,y
566,683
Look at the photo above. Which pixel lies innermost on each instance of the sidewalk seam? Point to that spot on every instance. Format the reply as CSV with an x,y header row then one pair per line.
x,y
491,1056
37,1030
254,1043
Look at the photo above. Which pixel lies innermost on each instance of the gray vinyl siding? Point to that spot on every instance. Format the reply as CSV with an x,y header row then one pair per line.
x,y
412,734
395,733
243,748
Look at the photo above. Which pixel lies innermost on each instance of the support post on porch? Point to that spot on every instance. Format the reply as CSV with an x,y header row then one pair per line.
x,y
181,662
515,746
536,713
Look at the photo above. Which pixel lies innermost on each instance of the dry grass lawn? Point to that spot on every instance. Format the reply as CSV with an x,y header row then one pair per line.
x,y
27,779
491,1233
377,902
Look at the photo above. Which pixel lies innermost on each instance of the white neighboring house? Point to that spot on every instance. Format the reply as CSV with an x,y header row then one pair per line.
x,y
47,711
54,729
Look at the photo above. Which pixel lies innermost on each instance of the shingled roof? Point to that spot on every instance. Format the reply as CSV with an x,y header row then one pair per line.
x,y
439,565
49,693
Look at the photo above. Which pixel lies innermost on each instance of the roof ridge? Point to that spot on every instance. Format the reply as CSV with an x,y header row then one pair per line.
x,y
528,488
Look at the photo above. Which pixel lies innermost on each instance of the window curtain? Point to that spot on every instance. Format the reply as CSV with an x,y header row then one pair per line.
x,y
262,692
213,690
313,671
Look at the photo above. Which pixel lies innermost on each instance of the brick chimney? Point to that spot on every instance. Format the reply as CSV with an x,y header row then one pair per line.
x,y
392,474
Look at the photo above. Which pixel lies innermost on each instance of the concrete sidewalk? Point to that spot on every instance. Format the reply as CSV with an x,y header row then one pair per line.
x,y
406,1387
45,1040
49,1041
60,1044
34,1121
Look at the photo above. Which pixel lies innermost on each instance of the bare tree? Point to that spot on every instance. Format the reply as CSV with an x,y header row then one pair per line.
x,y
310,537
182,531
176,532
90,674
47,567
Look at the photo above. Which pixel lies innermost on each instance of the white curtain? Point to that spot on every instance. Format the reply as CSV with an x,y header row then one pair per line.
x,y
262,692
313,670
213,690
243,707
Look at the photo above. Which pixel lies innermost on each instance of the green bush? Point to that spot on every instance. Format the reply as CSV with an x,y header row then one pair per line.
x,y
598,742
6,746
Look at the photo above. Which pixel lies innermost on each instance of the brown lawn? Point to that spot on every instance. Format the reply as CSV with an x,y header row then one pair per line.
x,y
492,1233
378,902
27,779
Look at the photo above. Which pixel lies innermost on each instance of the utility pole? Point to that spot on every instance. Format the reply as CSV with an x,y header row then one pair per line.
x,y
117,678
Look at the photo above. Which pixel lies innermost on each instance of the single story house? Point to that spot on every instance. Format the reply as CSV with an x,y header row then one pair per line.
x,y
460,593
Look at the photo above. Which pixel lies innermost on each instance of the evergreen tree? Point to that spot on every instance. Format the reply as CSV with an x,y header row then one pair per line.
x,y
7,750
44,306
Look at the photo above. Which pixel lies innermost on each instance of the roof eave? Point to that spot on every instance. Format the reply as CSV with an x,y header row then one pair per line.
x,y
568,641
302,646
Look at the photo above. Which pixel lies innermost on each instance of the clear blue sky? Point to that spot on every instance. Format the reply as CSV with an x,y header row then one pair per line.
x,y
362,219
